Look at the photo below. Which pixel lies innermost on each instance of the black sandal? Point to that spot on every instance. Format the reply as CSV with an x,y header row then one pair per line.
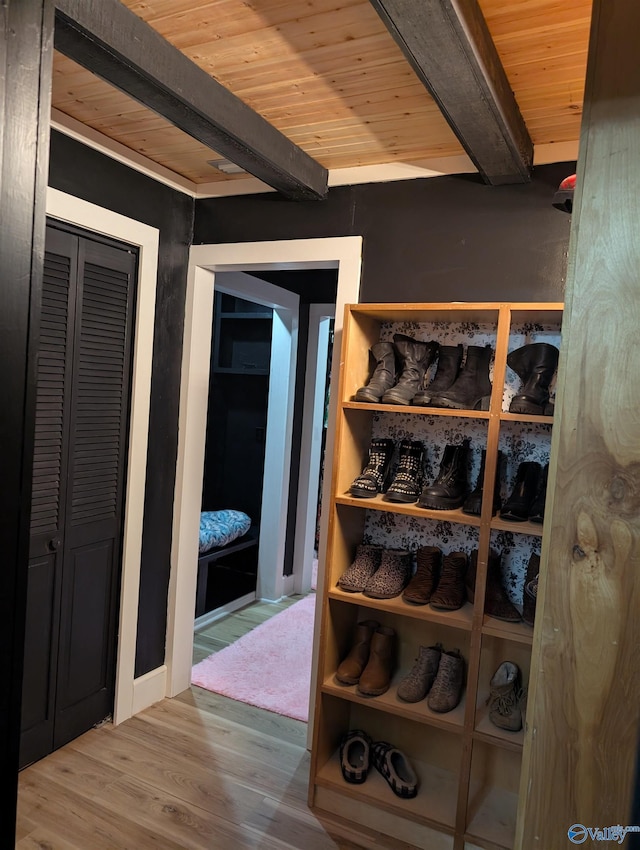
x,y
355,756
396,769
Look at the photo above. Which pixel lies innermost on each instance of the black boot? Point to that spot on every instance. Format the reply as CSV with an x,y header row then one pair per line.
x,y
472,389
536,514
407,482
473,502
449,360
450,488
518,505
373,477
415,357
534,364
384,374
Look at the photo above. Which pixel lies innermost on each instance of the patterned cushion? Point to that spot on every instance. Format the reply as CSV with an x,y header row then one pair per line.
x,y
218,528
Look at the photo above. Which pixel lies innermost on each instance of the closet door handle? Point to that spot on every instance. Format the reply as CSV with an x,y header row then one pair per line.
x,y
52,545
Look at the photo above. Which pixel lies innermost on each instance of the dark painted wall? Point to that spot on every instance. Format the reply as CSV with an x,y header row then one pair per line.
x,y
437,239
86,174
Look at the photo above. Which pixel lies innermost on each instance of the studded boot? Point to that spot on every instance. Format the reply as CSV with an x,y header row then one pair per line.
x,y
365,563
417,684
414,357
450,592
351,667
372,479
450,488
446,690
421,587
525,489
390,579
530,590
536,511
505,697
535,365
472,388
473,503
384,374
407,482
449,360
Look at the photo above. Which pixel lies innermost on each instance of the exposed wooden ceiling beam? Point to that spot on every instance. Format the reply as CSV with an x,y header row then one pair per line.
x,y
118,46
450,48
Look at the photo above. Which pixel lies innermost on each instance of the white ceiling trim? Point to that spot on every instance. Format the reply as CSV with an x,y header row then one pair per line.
x,y
382,173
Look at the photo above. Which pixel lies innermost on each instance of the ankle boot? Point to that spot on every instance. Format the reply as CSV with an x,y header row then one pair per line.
x,y
414,357
407,482
530,590
376,676
449,360
372,479
534,364
392,576
518,506
384,374
446,690
421,587
472,388
473,503
353,664
505,697
450,592
450,488
365,563
417,684
496,601
536,512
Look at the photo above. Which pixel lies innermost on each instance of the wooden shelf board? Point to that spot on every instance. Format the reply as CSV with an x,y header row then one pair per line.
x,y
426,313
486,731
494,820
378,504
451,721
460,619
532,528
521,417
416,410
434,805
518,632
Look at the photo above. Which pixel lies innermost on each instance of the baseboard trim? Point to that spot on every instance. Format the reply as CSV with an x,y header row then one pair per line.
x,y
218,613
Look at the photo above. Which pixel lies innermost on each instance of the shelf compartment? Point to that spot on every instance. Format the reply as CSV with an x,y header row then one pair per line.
x,y
377,504
534,529
485,731
517,632
460,619
493,795
521,417
416,410
494,823
434,804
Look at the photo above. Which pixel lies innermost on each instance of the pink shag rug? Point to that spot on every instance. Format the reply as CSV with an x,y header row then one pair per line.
x,y
270,667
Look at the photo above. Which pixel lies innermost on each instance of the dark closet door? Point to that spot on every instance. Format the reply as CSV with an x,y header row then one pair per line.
x,y
79,473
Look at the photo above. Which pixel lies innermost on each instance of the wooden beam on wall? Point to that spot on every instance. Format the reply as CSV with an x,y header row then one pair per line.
x,y
118,46
26,56
449,46
583,719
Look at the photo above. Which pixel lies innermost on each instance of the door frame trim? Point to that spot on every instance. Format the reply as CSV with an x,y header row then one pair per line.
x,y
67,208
343,253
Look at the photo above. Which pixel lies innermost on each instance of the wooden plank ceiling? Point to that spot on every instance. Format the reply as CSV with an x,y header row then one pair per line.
x,y
330,77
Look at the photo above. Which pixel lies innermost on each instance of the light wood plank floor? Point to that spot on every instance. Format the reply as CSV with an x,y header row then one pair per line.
x,y
198,772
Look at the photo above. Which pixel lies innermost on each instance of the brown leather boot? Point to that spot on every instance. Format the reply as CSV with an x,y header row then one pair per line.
x,y
496,602
421,587
376,676
354,663
450,593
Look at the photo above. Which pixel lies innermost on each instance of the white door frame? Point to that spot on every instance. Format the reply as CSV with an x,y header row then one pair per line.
x,y
343,253
320,316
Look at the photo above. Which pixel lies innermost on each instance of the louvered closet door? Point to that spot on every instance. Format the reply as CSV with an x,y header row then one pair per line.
x,y
82,580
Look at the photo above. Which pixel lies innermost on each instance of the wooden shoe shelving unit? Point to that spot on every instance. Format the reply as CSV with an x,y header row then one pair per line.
x,y
468,769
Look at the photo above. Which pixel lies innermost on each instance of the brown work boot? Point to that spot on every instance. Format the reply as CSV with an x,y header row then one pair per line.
x,y
446,690
376,676
505,698
417,684
351,667
530,590
423,583
450,592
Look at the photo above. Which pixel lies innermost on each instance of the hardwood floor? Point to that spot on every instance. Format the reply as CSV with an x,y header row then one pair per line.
x,y
198,772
